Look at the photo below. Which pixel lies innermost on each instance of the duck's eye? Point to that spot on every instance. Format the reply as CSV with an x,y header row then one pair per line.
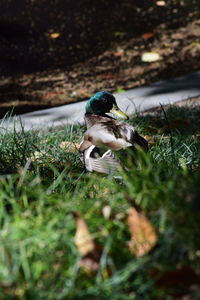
x,y
104,100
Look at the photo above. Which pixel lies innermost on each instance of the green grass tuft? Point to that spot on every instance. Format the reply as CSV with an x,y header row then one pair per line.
x,y
41,183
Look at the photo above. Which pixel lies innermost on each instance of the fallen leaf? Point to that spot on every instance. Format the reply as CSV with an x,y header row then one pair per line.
x,y
106,211
108,76
38,156
89,265
118,52
150,56
24,81
152,139
82,91
44,141
83,238
54,35
90,251
69,146
147,35
52,94
161,3
149,139
143,235
105,191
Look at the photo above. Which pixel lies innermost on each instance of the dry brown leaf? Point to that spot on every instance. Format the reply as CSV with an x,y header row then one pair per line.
x,y
91,252
106,211
161,3
118,52
147,35
89,265
82,92
152,139
150,57
108,76
83,238
37,155
143,235
149,139
69,146
52,94
54,35
90,262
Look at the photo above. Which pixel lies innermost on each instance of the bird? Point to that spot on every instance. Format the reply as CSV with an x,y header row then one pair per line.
x,y
106,136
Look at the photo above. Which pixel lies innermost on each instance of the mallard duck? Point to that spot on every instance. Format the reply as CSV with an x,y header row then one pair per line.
x,y
105,135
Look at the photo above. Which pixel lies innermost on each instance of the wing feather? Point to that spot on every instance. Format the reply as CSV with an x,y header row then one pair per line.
x,y
107,163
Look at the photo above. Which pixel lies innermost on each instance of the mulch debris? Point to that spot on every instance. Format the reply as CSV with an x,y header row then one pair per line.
x,y
118,68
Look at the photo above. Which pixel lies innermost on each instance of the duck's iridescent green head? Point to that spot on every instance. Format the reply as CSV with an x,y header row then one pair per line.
x,y
104,103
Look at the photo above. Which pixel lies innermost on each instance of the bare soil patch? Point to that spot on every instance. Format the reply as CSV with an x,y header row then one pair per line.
x,y
118,68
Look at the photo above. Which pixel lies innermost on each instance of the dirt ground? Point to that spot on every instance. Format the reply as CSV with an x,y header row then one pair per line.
x,y
118,68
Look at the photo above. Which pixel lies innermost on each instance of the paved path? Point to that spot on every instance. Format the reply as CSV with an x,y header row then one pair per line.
x,y
138,99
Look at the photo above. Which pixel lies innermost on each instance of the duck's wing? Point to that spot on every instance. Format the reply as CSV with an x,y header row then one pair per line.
x,y
135,138
106,163
113,134
130,134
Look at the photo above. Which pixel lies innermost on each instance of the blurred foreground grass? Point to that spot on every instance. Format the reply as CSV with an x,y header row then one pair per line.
x,y
42,181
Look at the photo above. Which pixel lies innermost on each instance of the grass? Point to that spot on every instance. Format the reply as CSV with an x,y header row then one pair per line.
x,y
41,183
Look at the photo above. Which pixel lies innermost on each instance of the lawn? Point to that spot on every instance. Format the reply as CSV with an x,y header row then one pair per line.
x,y
45,194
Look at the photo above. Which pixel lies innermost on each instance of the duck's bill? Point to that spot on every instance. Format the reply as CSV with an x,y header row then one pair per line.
x,y
115,111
